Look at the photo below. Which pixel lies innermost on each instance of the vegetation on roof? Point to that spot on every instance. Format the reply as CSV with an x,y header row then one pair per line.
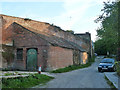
x,y
71,31
27,19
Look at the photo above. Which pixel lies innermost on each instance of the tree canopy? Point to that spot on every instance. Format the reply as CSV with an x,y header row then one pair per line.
x,y
108,32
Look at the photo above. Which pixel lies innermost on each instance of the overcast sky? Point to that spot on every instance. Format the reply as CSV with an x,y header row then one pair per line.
x,y
76,15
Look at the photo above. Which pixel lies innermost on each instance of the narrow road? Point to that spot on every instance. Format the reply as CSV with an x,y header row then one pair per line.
x,y
82,78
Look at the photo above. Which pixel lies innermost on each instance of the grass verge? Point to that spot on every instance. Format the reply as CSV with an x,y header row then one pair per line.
x,y
118,68
25,82
110,83
74,67
16,73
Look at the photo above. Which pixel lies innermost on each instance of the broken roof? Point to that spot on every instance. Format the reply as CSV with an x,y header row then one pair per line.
x,y
54,40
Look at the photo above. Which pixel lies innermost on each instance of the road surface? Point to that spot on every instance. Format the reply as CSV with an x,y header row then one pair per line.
x,y
82,78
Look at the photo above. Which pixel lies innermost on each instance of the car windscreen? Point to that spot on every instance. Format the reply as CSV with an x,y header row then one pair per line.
x,y
107,61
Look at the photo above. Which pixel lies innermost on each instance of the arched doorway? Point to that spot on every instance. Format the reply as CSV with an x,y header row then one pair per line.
x,y
31,59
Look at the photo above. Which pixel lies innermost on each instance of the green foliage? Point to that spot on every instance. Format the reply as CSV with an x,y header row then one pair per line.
x,y
70,31
118,68
100,47
8,74
108,32
16,73
8,53
109,82
25,82
70,68
92,59
74,67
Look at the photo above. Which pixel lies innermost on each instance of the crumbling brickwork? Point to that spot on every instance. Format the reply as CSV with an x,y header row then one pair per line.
x,y
59,57
84,40
55,47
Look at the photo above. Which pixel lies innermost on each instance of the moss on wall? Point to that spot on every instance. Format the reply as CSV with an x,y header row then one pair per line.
x,y
7,53
76,57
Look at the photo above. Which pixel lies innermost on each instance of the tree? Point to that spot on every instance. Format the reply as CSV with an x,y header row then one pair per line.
x,y
108,32
100,47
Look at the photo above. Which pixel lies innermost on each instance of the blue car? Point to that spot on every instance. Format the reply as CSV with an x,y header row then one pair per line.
x,y
107,64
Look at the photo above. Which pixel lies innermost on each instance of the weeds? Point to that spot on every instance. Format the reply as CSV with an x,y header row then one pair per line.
x,y
25,82
118,68
74,67
109,82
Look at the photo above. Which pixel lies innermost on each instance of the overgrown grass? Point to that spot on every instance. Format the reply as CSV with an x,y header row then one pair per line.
x,y
74,67
110,83
25,82
8,74
16,73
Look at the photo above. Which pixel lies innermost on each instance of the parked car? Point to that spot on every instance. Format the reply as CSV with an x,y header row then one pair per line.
x,y
107,64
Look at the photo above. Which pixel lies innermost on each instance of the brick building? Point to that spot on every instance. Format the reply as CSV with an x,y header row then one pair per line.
x,y
36,43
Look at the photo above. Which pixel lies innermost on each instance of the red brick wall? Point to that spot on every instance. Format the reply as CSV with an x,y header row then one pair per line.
x,y
26,39
35,24
1,29
39,27
86,42
59,57
44,28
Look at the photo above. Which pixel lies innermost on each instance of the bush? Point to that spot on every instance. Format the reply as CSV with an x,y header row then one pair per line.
x,y
118,68
91,60
8,53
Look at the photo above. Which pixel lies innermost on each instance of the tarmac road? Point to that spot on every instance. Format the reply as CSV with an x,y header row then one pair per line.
x,y
82,78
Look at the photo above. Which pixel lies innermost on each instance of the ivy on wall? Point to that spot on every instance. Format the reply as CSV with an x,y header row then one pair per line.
x,y
7,53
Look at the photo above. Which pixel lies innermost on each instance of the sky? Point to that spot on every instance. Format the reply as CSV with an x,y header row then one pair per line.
x,y
76,15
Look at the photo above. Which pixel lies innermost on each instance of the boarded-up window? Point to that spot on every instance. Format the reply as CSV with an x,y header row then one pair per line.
x,y
19,54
